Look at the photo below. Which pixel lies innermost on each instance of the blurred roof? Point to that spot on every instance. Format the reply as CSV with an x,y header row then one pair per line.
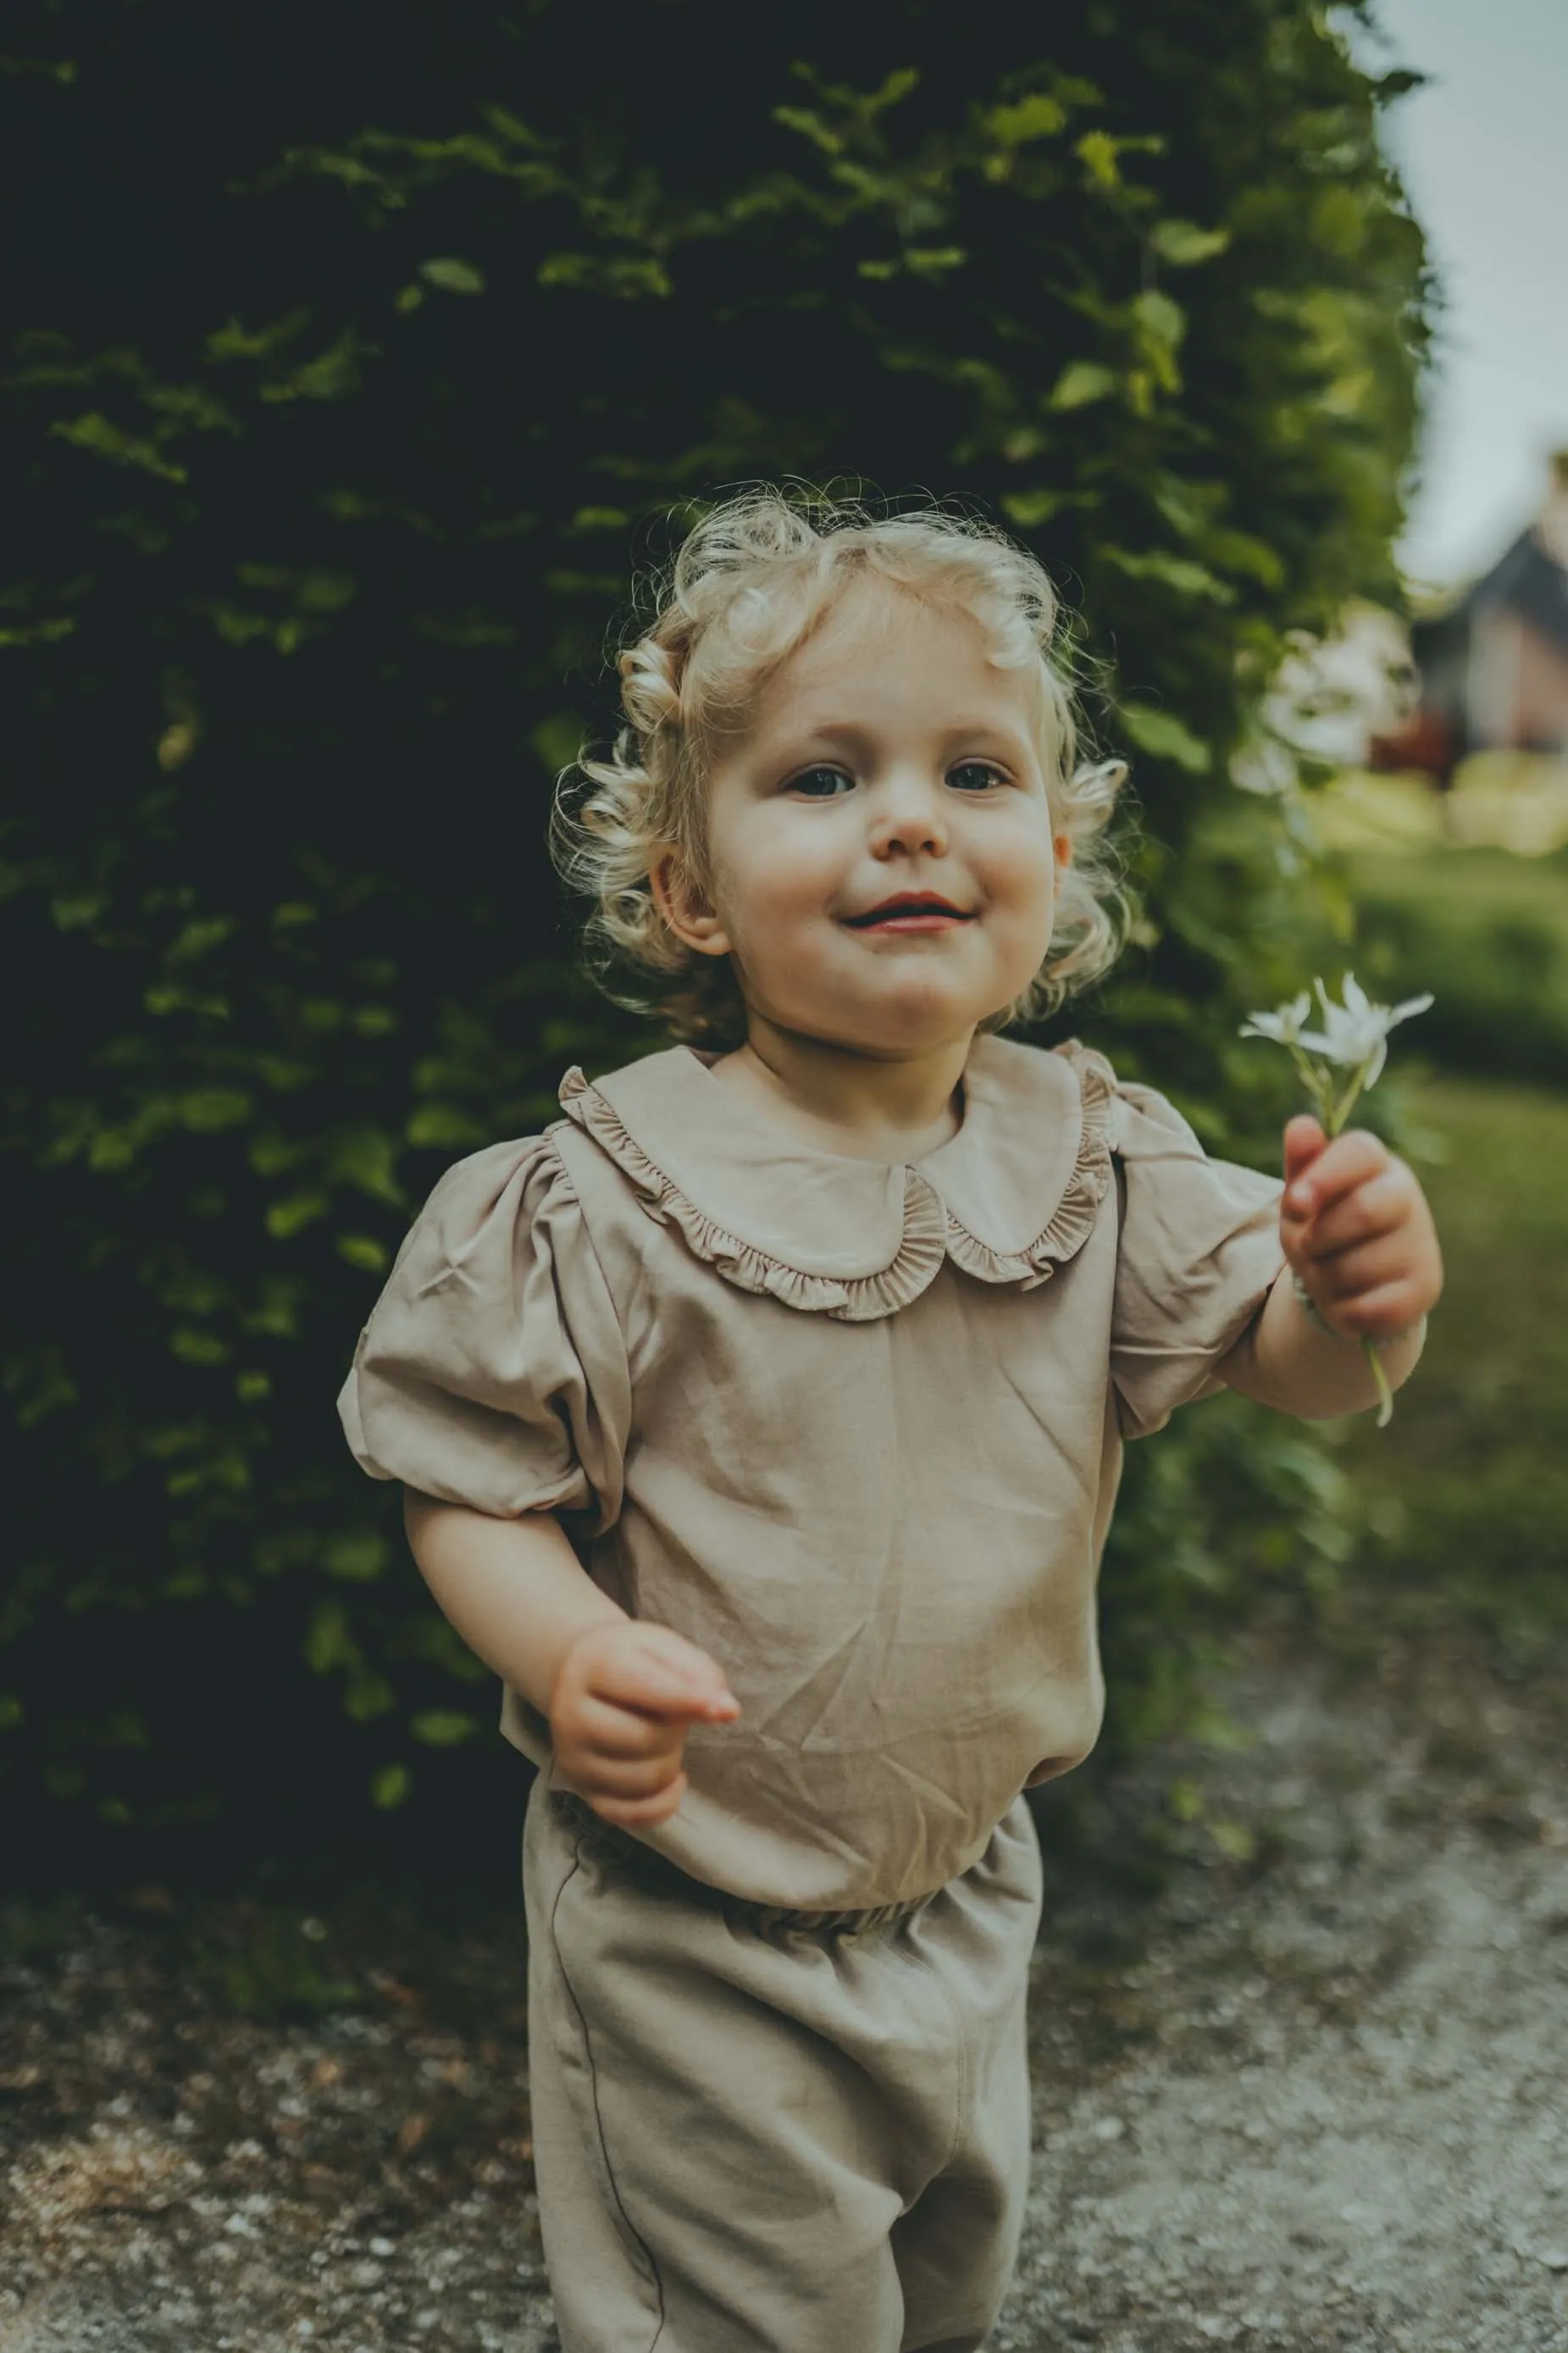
x,y
1529,579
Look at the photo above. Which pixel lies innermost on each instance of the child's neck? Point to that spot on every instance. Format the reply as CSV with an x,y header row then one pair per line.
x,y
838,1099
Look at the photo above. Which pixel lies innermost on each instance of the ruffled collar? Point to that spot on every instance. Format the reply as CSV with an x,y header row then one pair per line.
x,y
1008,1199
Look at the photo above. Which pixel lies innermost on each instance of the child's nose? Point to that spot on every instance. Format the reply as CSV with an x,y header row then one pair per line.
x,y
909,812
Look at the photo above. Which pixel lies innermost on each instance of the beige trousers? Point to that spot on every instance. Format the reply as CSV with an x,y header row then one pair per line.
x,y
753,2137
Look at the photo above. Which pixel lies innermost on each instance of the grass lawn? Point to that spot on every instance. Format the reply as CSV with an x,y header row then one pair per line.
x,y
1488,934
1468,1488
1481,884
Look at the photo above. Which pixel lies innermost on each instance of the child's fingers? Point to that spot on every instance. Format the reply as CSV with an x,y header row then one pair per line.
x,y
1345,1163
606,1729
1379,1207
1380,1315
1304,1140
658,1672
623,1778
1364,1268
638,1813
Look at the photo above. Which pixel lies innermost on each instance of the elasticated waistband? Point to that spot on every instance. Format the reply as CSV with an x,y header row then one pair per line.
x,y
648,1868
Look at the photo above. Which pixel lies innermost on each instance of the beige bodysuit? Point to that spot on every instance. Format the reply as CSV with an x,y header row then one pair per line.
x,y
855,1429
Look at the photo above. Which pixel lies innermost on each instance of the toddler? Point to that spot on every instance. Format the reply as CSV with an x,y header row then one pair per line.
x,y
761,1421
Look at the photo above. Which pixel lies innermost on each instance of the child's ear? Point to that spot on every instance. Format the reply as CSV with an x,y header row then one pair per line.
x,y
684,906
1062,845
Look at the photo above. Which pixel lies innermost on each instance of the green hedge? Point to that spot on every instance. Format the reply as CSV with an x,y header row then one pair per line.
x,y
359,367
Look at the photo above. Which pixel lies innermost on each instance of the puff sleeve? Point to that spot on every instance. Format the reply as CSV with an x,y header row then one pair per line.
x,y
492,1371
1199,1253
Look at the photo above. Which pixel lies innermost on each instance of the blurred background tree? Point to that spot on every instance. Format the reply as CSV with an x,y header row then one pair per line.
x,y
353,370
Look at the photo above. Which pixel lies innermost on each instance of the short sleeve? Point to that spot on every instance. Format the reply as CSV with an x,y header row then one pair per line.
x,y
1199,1253
492,1371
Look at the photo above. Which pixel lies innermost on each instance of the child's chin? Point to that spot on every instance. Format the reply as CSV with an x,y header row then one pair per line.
x,y
907,1018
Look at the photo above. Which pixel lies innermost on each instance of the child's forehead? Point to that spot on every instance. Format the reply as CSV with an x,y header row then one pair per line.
x,y
879,649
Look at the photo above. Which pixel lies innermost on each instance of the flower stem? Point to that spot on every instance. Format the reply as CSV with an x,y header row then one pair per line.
x,y
1317,1085
1385,1394
1334,1115
1339,1113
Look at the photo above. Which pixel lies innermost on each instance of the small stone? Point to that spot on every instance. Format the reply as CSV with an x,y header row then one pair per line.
x,y
1107,2128
1554,2258
383,2247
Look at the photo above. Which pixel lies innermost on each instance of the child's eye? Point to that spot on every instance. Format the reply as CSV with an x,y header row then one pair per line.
x,y
821,784
975,776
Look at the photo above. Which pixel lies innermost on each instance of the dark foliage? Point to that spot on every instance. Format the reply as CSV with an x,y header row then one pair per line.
x,y
353,364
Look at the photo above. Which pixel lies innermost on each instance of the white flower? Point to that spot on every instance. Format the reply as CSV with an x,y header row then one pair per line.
x,y
1283,1025
1356,1032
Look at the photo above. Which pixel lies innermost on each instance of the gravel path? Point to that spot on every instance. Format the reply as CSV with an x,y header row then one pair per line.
x,y
1309,2091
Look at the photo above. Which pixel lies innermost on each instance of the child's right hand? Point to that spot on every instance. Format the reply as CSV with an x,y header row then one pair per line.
x,y
623,1698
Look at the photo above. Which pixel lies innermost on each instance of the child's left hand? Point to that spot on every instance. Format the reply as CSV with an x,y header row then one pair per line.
x,y
1356,1228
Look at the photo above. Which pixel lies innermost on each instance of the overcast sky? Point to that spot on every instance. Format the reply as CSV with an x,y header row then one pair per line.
x,y
1484,151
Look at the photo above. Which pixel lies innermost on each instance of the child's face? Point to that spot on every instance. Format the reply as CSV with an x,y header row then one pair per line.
x,y
888,757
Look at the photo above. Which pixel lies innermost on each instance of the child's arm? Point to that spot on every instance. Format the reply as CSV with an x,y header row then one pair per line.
x,y
619,1693
1355,1227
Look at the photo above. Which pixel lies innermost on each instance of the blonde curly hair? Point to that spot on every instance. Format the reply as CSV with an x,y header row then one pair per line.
x,y
752,581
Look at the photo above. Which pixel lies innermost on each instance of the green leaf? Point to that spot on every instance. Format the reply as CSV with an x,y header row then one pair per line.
x,y
357,1558
810,125
1037,116
934,261
95,432
390,1787
443,1127
39,633
440,1727
1240,551
558,740
1163,735
628,277
328,1642
1082,382
364,1252
366,1158
194,1347
290,1216
367,1695
71,911
1098,151
1163,322
205,1111
1029,508
452,275
1180,572
1183,243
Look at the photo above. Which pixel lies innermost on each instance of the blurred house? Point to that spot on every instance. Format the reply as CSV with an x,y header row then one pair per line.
x,y
1493,667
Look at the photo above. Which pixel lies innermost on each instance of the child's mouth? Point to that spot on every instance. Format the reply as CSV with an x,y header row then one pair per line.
x,y
909,915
